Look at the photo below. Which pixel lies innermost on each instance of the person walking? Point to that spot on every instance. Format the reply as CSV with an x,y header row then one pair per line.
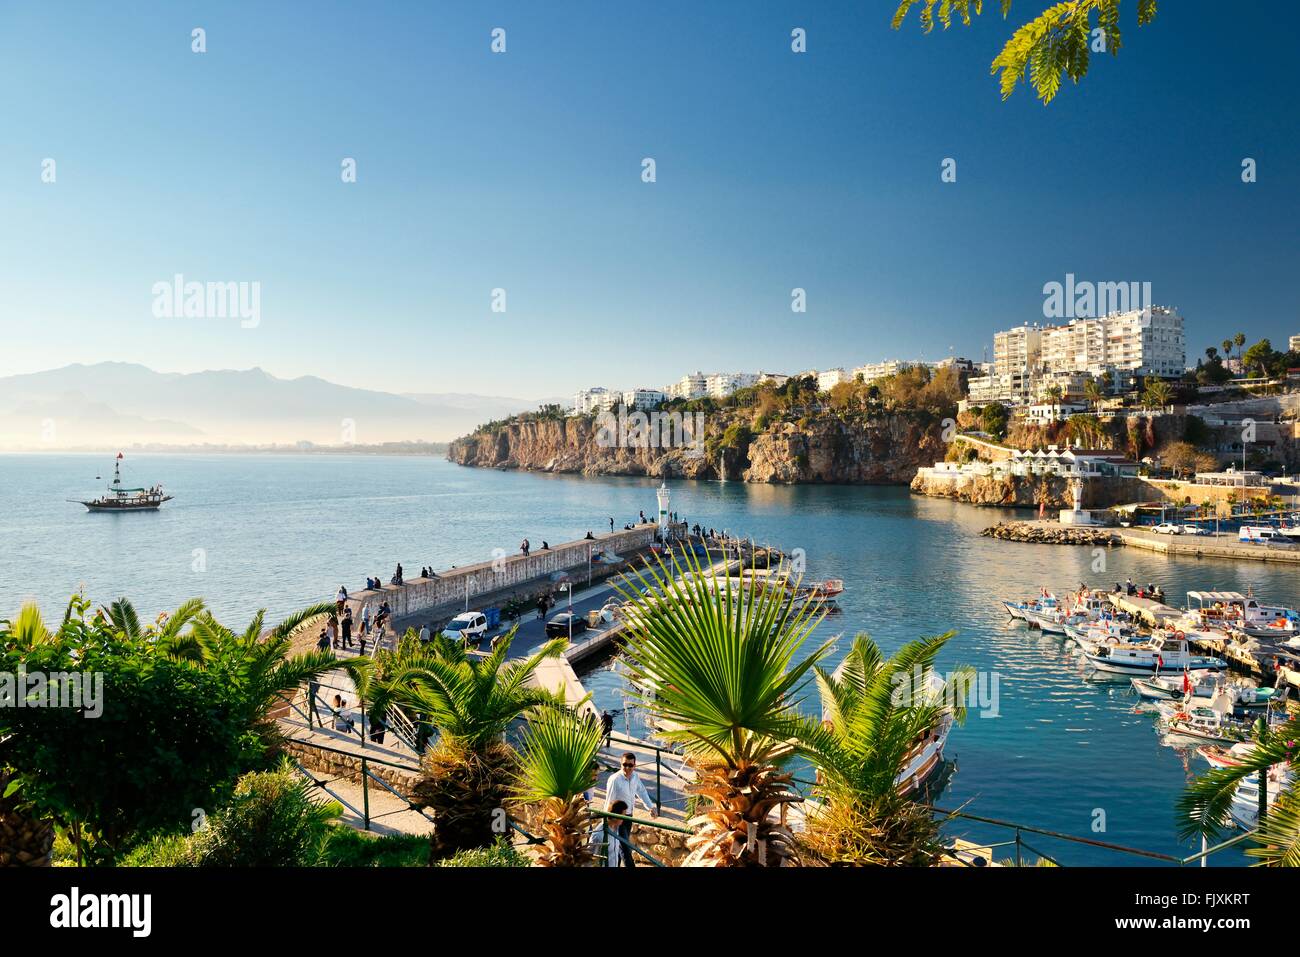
x,y
340,600
323,642
347,628
332,629
624,785
365,622
606,726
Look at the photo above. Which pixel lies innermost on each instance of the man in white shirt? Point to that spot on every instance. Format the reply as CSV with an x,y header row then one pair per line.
x,y
625,786
424,633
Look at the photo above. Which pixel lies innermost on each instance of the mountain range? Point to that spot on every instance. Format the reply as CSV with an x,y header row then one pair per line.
x,y
108,405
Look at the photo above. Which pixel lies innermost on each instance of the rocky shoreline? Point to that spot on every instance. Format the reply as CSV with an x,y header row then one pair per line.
x,y
1050,533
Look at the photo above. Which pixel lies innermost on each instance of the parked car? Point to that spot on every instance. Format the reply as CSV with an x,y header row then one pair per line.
x,y
1168,528
1195,530
469,627
558,626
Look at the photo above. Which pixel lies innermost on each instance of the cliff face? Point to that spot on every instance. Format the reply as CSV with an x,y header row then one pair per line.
x,y
884,450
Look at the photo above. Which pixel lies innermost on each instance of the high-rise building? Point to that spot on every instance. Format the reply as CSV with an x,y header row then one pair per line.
x,y
830,378
642,398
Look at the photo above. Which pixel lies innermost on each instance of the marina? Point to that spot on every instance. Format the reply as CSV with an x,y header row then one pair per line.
x,y
1051,727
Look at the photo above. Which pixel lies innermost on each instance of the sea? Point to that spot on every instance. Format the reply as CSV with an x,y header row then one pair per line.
x,y
1057,749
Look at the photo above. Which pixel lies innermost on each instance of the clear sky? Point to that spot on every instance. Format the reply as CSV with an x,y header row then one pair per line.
x,y
523,171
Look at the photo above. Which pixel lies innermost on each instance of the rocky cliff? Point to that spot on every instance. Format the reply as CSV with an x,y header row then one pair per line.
x,y
885,449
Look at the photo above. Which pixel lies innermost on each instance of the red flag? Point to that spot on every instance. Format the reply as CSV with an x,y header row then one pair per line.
x,y
1187,685
119,455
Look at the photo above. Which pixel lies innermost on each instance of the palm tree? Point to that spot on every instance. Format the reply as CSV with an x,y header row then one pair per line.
x,y
876,711
1156,394
1052,393
471,699
1239,340
1203,807
1093,391
716,665
556,766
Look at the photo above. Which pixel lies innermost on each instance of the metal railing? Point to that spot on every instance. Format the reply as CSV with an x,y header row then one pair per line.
x,y
1021,845
366,777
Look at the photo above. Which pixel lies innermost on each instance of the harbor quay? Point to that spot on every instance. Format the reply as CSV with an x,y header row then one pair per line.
x,y
439,598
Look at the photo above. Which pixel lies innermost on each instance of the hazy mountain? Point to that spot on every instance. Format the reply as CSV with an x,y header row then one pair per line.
x,y
111,404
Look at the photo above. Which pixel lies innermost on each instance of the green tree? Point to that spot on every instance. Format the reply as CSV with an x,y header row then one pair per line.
x,y
1203,807
471,700
1057,43
877,712
183,715
718,665
556,766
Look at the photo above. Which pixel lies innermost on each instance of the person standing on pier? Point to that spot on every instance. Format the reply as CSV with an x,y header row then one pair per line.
x,y
611,524
606,726
347,628
365,622
340,600
624,785
332,631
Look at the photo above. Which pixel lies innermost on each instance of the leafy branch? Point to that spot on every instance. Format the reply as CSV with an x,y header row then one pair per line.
x,y
1058,42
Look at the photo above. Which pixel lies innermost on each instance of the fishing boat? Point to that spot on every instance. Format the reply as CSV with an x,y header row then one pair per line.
x,y
122,499
1209,722
1163,652
1191,685
1219,756
1091,635
1019,610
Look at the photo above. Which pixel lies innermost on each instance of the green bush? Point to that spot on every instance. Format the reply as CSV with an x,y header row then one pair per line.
x,y
272,821
500,854
349,848
163,850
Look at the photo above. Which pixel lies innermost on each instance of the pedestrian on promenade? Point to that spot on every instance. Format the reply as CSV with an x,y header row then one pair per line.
x,y
377,731
323,642
615,850
611,524
340,600
365,621
347,628
341,721
332,630
606,725
523,546
397,575
541,608
626,787
424,632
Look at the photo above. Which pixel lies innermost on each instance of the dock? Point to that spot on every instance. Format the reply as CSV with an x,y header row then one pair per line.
x,y
1147,610
1207,546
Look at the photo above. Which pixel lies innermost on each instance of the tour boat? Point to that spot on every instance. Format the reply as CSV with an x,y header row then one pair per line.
x,y
1232,611
1161,653
121,499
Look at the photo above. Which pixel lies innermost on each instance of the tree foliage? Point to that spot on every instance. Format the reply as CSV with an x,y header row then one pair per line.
x,y
1058,43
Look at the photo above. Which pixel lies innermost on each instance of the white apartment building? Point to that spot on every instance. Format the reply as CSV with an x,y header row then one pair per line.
x,y
1133,343
642,398
1017,351
876,370
586,401
1294,345
689,387
831,378
722,384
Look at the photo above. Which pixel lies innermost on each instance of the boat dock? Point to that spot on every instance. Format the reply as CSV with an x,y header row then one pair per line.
x,y
1207,546
1148,610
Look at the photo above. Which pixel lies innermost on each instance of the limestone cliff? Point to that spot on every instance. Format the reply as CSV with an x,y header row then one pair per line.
x,y
884,449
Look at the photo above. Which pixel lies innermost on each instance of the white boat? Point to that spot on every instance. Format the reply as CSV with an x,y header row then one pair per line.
x,y
1244,809
1233,611
1164,652
1105,631
1210,722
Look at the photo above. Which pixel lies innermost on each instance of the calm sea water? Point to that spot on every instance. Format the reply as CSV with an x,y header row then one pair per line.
x,y
278,532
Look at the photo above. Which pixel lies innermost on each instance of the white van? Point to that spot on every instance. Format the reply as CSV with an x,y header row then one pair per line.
x,y
1259,534
469,626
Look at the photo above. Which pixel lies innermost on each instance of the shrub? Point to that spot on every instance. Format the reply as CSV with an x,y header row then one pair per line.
x,y
348,848
500,854
272,821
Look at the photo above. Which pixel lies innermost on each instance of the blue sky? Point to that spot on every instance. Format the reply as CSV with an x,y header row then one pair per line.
x,y
522,171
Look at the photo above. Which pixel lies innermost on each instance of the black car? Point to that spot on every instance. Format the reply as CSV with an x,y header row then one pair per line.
x,y
558,627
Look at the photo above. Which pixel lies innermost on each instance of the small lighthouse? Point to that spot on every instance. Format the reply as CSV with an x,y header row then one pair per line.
x,y
663,496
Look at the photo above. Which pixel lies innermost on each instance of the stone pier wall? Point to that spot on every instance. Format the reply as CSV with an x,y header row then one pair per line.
x,y
492,576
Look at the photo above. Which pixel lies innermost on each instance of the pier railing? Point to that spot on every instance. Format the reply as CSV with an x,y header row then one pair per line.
x,y
1020,845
